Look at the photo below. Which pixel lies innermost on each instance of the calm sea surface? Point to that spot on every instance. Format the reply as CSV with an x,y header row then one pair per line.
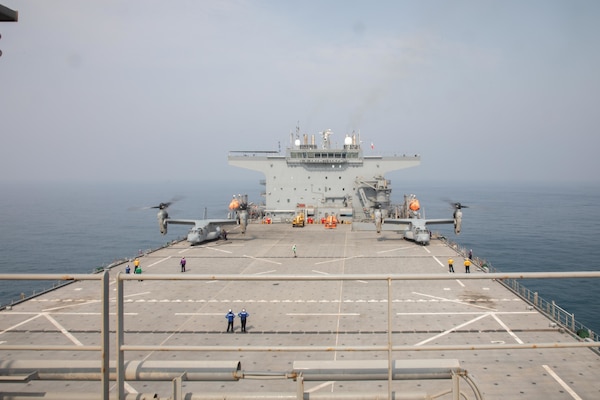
x,y
75,228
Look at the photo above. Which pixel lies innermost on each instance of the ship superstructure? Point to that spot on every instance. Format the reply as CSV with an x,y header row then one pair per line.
x,y
324,180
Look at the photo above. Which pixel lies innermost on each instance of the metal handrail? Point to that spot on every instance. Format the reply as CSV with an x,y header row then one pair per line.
x,y
508,279
105,331
389,278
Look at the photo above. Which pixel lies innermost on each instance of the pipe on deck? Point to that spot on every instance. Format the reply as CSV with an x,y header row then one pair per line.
x,y
134,370
363,370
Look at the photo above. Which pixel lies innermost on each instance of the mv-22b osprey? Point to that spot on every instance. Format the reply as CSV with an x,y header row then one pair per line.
x,y
412,225
206,229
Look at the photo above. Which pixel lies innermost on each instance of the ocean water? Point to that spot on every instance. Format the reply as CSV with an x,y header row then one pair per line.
x,y
76,228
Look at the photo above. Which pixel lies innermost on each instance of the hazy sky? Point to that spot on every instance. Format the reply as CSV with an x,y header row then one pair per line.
x,y
143,90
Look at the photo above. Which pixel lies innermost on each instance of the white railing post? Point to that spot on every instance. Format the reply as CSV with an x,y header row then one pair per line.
x,y
105,336
120,339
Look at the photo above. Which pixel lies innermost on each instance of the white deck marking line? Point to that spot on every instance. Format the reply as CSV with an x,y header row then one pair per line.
x,y
213,248
90,302
444,265
321,386
71,305
511,333
57,313
134,294
199,313
327,273
158,262
322,314
262,259
183,251
452,329
454,301
468,313
336,260
130,388
20,323
63,330
561,382
396,249
426,249
265,272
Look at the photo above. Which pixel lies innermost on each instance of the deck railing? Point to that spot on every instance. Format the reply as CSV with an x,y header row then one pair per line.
x,y
117,370
550,309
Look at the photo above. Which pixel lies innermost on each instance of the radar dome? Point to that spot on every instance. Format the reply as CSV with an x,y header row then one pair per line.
x,y
348,141
297,142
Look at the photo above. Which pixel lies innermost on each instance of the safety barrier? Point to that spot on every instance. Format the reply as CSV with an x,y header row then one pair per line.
x,y
120,370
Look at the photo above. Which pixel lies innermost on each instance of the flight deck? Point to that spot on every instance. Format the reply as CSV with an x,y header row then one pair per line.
x,y
324,324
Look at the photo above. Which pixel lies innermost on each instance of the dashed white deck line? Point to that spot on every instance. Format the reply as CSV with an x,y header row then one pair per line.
x,y
59,313
468,313
193,314
63,330
262,259
511,333
468,302
322,314
561,382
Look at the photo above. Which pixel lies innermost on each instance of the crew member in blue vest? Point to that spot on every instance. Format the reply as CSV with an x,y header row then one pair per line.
x,y
230,316
243,315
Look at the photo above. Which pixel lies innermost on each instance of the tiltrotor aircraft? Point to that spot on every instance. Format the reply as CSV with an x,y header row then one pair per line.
x,y
205,229
412,225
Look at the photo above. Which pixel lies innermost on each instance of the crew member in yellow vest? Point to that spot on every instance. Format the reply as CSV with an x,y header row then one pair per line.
x,y
467,266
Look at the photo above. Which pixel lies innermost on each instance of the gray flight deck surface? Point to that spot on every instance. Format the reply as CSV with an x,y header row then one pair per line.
x,y
314,313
